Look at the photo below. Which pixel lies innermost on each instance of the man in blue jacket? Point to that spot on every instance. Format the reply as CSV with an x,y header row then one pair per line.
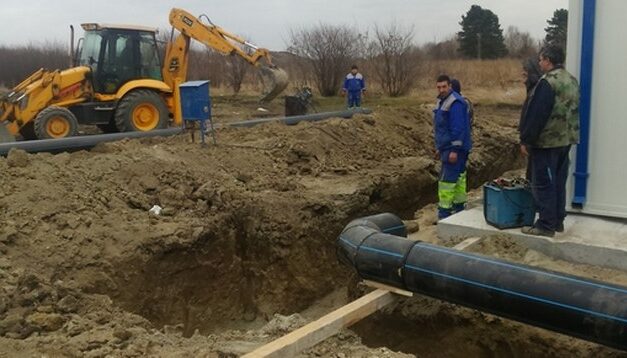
x,y
354,86
453,143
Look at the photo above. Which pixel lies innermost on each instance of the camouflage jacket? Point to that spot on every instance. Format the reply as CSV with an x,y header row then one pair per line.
x,y
552,122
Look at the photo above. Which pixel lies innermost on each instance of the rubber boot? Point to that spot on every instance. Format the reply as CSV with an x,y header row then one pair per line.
x,y
459,207
444,213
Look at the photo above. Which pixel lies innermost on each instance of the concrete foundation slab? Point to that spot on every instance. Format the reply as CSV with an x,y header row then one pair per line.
x,y
586,239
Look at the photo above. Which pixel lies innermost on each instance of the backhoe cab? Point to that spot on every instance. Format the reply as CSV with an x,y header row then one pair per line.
x,y
119,81
118,54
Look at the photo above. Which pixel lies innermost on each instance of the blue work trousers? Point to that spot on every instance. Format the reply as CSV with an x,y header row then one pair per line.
x,y
354,99
549,172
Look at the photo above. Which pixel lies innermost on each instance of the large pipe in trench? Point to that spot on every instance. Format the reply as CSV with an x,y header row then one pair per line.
x,y
90,141
588,309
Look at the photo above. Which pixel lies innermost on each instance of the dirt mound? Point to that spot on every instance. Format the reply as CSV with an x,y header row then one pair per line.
x,y
247,229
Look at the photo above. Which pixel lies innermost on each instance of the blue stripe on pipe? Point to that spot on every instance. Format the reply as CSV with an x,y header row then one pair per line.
x,y
461,254
372,249
348,242
514,293
394,228
384,252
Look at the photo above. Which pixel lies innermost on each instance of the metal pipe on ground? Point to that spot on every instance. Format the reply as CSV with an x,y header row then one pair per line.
x,y
588,309
297,119
81,142
90,141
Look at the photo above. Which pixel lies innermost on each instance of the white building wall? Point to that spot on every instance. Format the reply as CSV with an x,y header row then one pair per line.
x,y
607,162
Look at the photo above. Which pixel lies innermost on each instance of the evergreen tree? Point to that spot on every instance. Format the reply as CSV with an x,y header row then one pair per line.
x,y
481,35
557,30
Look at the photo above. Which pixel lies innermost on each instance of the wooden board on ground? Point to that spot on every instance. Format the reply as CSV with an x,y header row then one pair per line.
x,y
315,332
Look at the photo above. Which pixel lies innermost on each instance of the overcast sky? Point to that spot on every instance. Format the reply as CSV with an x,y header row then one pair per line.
x,y
266,22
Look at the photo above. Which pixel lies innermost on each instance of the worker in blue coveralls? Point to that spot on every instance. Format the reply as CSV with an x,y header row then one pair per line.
x,y
354,87
453,143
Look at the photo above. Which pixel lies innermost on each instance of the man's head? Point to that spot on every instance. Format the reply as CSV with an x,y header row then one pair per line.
x,y
551,56
354,69
531,72
443,84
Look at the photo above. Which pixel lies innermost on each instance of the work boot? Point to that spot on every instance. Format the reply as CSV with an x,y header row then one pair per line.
x,y
537,231
459,207
559,227
444,213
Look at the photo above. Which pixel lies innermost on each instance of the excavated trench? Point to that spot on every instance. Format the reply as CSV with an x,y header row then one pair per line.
x,y
277,255
240,272
254,261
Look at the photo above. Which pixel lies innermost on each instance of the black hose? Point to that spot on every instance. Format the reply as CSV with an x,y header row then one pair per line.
x,y
80,142
588,309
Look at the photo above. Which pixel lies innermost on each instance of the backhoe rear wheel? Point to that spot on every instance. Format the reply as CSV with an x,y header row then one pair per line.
x,y
141,110
55,122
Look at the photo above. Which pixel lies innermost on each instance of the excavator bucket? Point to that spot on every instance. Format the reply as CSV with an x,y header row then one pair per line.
x,y
5,135
274,80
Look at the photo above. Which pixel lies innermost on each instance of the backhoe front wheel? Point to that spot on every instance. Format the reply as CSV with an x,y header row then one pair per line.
x,y
55,122
141,110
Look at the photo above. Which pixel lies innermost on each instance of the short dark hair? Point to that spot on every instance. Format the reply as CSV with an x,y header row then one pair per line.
x,y
553,53
444,78
354,67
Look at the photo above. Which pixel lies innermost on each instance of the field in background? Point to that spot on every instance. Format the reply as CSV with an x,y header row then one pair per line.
x,y
484,81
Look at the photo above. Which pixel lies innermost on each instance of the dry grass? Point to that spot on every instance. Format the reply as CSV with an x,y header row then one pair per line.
x,y
503,73
489,82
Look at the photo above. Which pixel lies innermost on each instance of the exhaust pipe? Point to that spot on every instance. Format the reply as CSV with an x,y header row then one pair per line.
x,y
72,59
588,309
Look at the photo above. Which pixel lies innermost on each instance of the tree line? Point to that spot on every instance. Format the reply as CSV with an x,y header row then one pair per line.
x,y
321,55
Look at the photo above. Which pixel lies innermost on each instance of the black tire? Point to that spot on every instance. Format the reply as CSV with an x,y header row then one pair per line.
x,y
28,131
140,105
108,128
55,122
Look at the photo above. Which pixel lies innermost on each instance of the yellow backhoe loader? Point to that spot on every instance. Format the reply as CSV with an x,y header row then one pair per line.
x,y
119,82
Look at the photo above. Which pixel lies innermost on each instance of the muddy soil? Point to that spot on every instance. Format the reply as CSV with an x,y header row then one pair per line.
x,y
245,238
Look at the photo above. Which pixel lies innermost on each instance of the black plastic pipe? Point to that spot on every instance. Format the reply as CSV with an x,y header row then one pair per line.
x,y
80,142
297,119
90,141
588,309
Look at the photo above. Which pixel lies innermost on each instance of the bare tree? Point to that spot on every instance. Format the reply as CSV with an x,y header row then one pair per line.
x,y
519,44
394,59
19,62
447,49
330,51
237,68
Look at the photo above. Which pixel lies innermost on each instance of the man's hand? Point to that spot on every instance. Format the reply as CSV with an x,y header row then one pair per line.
x,y
523,150
436,156
452,157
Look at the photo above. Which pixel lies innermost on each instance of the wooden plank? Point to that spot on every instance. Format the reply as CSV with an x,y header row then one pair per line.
x,y
327,326
383,286
315,332
467,243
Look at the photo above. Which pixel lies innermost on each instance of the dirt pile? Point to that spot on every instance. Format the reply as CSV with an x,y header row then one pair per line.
x,y
247,229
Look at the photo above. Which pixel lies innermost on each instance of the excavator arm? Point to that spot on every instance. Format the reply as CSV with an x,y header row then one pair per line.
x,y
190,27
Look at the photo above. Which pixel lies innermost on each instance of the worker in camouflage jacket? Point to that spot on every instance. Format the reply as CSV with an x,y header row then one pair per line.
x,y
549,126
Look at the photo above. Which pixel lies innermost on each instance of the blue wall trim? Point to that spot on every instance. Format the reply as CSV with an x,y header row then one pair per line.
x,y
585,82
